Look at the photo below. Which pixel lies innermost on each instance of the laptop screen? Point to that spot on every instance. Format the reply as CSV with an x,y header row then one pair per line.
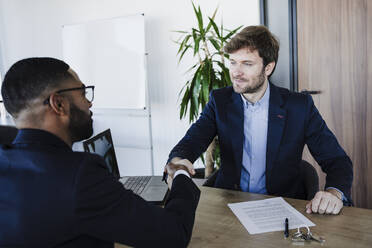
x,y
102,145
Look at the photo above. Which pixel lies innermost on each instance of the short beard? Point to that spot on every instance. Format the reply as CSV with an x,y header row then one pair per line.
x,y
81,124
255,88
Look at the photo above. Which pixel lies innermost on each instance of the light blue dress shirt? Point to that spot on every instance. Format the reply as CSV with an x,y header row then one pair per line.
x,y
254,147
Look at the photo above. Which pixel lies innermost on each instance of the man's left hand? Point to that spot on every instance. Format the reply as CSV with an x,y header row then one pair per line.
x,y
325,202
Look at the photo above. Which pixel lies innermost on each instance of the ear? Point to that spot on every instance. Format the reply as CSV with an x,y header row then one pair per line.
x,y
59,104
269,68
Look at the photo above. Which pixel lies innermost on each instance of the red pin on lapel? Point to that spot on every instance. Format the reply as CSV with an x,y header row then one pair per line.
x,y
280,116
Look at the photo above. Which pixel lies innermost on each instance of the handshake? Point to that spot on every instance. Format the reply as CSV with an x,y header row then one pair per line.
x,y
177,164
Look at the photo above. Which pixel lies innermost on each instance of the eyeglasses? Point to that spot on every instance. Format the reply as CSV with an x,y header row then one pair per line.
x,y
88,92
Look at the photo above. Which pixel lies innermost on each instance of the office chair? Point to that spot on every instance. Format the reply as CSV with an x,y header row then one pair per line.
x,y
211,179
7,134
310,180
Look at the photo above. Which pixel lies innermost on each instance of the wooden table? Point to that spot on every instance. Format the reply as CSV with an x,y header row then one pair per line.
x,y
216,226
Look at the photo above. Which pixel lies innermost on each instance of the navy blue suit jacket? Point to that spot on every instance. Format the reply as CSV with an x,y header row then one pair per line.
x,y
293,121
51,196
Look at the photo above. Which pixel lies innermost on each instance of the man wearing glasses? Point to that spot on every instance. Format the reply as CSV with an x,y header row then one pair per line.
x,y
53,197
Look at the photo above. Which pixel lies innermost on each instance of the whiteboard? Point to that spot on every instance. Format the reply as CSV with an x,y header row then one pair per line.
x,y
109,54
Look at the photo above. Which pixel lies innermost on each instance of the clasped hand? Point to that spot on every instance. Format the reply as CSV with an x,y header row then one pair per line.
x,y
175,165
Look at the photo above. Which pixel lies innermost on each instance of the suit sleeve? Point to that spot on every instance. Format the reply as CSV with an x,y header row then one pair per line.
x,y
199,135
107,211
327,152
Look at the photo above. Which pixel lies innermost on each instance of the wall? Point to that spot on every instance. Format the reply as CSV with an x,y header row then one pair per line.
x,y
33,28
334,48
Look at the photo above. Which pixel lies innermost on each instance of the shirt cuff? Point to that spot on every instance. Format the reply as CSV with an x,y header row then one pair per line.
x,y
343,198
178,172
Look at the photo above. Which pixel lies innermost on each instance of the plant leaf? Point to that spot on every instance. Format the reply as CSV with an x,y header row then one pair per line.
x,y
231,33
179,31
199,17
192,67
193,98
183,43
192,110
207,71
205,90
197,45
215,44
215,28
202,158
184,102
211,18
182,89
221,29
196,92
183,53
225,74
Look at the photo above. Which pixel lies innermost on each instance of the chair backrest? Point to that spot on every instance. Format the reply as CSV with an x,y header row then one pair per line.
x,y
7,134
211,179
309,176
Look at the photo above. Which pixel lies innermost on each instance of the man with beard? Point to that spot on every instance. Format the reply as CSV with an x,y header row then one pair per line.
x,y
53,197
262,130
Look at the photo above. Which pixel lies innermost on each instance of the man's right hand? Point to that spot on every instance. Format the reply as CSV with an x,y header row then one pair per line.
x,y
171,169
325,202
185,162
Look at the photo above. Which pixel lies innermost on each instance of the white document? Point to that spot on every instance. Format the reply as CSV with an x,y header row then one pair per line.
x,y
268,215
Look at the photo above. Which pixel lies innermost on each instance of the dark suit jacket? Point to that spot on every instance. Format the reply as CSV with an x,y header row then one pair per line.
x,y
51,196
293,121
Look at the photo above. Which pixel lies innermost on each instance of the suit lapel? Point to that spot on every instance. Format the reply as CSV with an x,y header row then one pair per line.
x,y
235,118
276,123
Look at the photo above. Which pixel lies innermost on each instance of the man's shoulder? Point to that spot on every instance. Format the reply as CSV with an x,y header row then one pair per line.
x,y
288,93
223,94
44,155
86,158
289,97
228,90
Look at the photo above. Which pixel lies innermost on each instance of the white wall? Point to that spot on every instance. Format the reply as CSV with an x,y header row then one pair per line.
x,y
33,28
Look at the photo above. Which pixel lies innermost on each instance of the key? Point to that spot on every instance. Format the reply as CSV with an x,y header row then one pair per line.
x,y
307,236
317,238
313,237
298,236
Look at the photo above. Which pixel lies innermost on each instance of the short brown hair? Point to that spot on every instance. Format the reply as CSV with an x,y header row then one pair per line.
x,y
255,38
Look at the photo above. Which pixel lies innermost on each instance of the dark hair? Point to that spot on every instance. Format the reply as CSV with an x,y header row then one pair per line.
x,y
255,38
27,79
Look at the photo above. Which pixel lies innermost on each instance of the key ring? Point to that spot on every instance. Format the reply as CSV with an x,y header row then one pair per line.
x,y
299,236
299,233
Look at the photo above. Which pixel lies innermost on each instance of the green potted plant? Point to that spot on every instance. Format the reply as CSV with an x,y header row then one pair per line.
x,y
209,72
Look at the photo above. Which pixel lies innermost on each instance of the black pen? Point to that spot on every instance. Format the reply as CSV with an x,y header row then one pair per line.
x,y
286,231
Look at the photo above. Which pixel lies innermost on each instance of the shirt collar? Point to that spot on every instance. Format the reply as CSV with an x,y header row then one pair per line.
x,y
264,101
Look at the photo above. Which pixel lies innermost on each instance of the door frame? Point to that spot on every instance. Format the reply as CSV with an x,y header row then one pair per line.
x,y
292,28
